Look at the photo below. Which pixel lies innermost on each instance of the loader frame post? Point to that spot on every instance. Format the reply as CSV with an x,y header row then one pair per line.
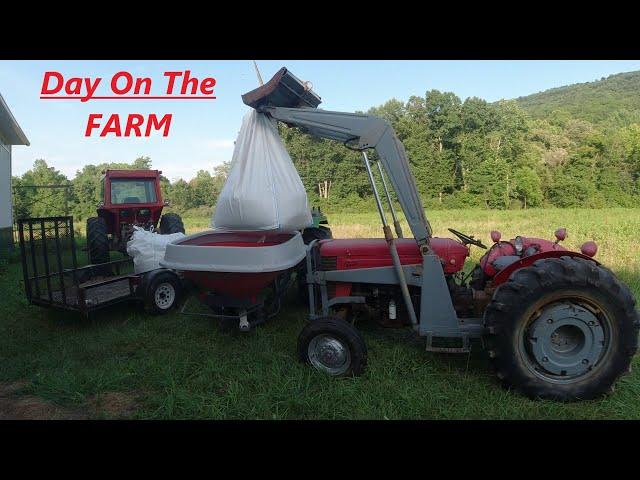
x,y
404,288
396,222
376,195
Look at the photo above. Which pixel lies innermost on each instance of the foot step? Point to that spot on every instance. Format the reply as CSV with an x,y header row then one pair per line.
x,y
448,349
448,344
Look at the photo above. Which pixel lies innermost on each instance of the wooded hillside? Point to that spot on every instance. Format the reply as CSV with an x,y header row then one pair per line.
x,y
498,155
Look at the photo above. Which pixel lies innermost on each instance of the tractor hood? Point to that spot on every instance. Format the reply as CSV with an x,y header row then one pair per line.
x,y
374,252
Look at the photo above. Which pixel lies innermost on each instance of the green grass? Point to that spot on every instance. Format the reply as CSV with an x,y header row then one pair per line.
x,y
184,367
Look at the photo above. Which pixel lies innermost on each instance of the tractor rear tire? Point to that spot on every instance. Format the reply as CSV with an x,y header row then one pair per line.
x,y
97,240
171,223
334,346
562,329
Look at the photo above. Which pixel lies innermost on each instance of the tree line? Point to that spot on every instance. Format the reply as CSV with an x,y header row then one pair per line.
x,y
83,194
474,153
469,153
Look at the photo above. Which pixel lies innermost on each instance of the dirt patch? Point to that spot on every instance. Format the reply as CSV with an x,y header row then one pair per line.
x,y
9,388
29,407
115,404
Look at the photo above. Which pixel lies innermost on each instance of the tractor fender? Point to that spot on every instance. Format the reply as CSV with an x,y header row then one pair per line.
x,y
147,279
504,274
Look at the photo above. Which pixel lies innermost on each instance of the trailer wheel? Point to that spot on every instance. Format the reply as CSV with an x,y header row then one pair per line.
x,y
171,223
97,240
162,293
334,346
563,329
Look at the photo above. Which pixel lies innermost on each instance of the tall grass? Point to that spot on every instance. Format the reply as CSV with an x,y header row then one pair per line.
x,y
184,367
615,230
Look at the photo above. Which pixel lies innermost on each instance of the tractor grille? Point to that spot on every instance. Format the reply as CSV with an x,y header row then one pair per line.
x,y
328,263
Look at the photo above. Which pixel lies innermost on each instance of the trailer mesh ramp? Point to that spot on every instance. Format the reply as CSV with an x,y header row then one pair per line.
x,y
52,276
49,258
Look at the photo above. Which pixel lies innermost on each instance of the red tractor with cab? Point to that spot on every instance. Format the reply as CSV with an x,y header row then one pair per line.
x,y
130,198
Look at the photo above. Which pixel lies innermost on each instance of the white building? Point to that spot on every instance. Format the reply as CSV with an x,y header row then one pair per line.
x,y
10,134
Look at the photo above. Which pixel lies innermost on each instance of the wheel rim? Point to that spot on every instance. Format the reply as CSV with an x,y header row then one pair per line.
x,y
566,340
329,354
165,296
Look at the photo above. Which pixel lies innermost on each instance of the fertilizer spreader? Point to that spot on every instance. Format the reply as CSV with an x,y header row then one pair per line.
x,y
232,269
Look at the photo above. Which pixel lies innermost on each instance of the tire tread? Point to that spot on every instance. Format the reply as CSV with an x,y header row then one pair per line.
x,y
171,223
97,240
526,285
341,328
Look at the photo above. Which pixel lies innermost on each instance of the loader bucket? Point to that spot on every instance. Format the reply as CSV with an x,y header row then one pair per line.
x,y
283,90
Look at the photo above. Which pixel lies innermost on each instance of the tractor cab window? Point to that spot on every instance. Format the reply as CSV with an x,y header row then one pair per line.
x,y
133,191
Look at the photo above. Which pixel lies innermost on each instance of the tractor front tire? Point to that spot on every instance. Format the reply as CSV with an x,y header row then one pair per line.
x,y
333,346
97,240
562,329
171,223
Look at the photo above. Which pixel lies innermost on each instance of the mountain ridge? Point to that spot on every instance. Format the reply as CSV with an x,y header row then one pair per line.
x,y
613,98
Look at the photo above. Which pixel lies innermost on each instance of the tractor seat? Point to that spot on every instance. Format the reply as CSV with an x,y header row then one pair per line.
x,y
131,200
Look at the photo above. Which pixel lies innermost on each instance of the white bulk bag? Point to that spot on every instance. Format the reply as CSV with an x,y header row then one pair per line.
x,y
147,248
263,190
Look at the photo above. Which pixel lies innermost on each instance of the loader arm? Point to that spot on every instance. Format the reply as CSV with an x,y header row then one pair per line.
x,y
369,132
291,101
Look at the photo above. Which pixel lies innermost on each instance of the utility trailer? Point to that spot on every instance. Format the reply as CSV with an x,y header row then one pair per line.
x,y
53,276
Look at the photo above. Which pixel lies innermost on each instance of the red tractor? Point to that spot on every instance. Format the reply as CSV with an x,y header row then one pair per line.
x,y
555,323
129,198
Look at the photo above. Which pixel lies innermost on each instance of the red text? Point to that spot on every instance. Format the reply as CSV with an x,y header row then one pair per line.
x,y
135,125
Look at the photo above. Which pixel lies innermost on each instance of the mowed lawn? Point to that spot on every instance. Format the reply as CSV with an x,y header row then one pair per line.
x,y
124,362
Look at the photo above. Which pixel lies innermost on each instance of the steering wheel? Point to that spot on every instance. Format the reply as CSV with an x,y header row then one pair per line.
x,y
467,239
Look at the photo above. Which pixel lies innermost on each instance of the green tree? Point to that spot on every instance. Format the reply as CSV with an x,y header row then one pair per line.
x,y
489,181
182,197
35,196
220,174
527,187
203,191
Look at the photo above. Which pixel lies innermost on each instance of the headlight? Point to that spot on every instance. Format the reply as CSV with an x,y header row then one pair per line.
x,y
518,244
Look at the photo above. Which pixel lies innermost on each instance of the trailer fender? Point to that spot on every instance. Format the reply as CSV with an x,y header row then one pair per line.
x,y
147,279
504,274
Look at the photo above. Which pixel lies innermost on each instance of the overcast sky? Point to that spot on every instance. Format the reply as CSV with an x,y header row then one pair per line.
x,y
202,132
